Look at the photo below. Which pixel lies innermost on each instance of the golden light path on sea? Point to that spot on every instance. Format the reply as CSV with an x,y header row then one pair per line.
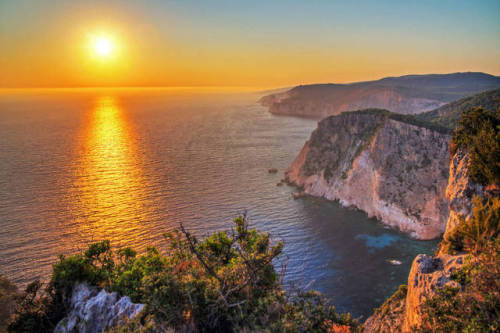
x,y
111,201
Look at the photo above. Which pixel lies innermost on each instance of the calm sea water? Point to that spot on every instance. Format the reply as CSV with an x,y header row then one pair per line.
x,y
127,165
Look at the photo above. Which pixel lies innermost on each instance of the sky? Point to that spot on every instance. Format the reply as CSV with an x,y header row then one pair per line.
x,y
242,43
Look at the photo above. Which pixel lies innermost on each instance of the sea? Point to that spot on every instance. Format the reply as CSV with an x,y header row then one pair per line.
x,y
127,165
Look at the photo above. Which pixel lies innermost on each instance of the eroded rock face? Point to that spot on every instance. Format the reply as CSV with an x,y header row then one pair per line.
x,y
460,190
428,275
95,311
392,170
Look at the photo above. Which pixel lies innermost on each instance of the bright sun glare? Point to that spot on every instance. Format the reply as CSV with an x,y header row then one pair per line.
x,y
103,46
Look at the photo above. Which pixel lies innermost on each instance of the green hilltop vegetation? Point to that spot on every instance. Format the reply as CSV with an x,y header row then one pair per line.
x,y
448,115
446,118
404,118
478,132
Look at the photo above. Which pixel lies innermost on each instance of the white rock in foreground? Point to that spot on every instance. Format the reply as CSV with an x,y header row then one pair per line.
x,y
94,311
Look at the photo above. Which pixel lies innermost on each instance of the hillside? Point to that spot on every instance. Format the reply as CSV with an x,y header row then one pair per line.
x,y
410,94
449,114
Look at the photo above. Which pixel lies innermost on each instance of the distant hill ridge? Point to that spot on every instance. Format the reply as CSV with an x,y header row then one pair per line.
x,y
449,114
409,94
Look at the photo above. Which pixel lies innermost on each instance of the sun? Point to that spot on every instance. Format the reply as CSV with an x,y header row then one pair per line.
x,y
103,46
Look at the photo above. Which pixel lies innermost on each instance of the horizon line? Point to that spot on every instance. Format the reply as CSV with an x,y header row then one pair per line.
x,y
270,87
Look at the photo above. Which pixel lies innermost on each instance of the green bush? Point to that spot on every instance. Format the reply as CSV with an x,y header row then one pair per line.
x,y
478,132
477,231
223,283
8,293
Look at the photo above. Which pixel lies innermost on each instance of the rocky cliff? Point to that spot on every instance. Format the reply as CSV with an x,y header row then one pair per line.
x,y
430,274
460,191
402,312
373,160
409,94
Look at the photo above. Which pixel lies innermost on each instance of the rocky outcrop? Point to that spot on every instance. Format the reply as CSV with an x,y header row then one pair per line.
x,y
402,312
391,169
94,311
428,275
460,190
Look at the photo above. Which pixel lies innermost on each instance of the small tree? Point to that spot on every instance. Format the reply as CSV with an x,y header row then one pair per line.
x,y
478,132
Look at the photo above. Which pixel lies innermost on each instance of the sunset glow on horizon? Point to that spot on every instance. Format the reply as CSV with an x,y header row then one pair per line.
x,y
221,43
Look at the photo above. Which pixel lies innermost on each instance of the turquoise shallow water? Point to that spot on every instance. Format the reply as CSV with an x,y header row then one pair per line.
x,y
80,166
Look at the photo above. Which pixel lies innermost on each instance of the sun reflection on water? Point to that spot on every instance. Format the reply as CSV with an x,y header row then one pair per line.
x,y
112,198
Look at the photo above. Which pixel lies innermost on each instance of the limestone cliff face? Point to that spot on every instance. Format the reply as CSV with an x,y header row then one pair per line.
x,y
461,190
429,274
392,170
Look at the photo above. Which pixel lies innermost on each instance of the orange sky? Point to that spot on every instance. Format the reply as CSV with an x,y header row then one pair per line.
x,y
158,43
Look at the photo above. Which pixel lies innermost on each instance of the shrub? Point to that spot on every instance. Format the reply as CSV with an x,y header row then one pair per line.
x,y
223,283
478,230
478,132
33,312
8,293
475,305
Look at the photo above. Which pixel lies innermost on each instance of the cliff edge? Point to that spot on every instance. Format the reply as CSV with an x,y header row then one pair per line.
x,y
444,274
380,163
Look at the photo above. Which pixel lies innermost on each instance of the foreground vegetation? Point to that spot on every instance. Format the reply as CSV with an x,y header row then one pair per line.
x,y
478,132
404,118
223,283
473,305
477,233
8,292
